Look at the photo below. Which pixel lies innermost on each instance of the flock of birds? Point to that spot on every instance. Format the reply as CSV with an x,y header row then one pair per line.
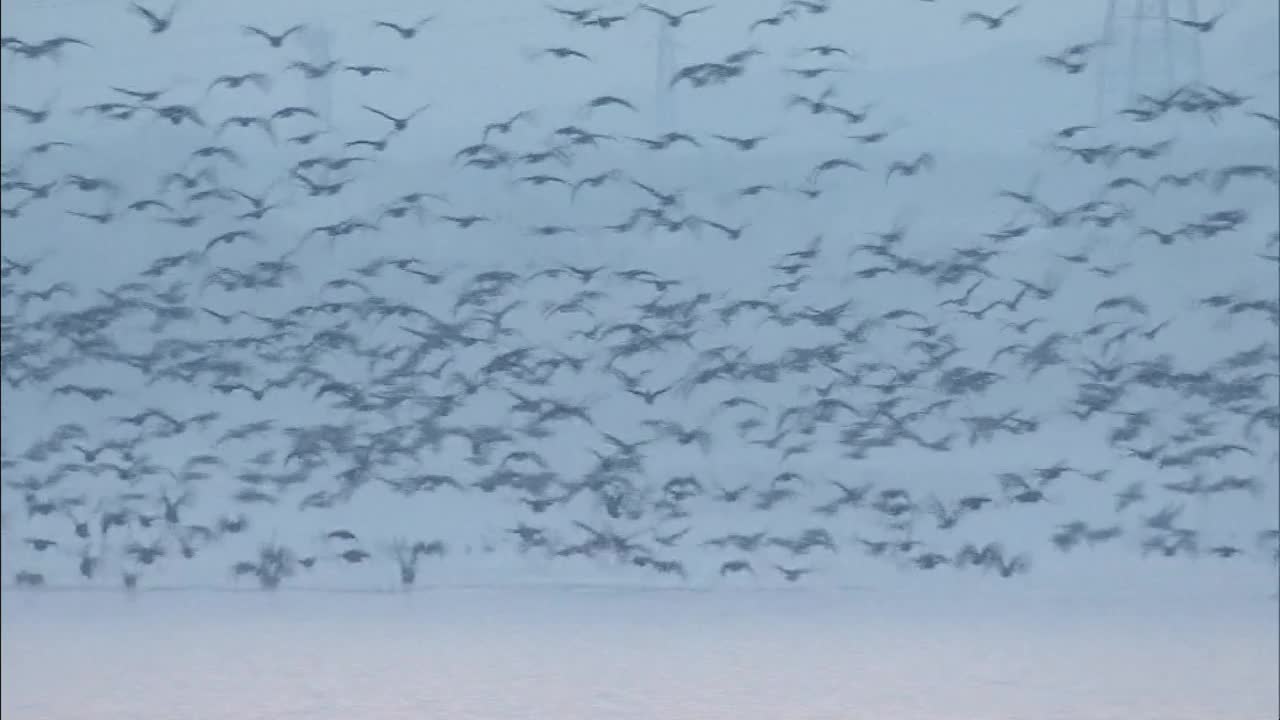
x,y
244,402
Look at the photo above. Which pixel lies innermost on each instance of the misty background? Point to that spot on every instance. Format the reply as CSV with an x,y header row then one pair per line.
x,y
979,101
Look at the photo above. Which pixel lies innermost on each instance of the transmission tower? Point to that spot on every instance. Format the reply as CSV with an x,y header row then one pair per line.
x,y
664,100
319,44
1143,51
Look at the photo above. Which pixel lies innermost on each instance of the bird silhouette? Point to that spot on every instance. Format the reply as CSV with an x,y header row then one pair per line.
x,y
261,338
405,32
992,22
274,41
158,23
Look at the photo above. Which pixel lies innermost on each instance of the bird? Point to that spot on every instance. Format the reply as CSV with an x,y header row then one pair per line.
x,y
158,23
1201,26
398,124
992,22
405,32
909,168
555,341
674,20
273,40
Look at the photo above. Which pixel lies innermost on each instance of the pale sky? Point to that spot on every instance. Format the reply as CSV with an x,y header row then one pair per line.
x,y
976,99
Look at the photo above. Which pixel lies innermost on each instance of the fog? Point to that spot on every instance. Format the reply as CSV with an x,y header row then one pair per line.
x,y
836,396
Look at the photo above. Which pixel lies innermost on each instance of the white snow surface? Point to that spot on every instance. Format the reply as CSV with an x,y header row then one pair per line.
x,y
567,654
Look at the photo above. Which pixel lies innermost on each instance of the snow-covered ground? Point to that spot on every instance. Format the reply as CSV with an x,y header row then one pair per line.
x,y
589,655
995,141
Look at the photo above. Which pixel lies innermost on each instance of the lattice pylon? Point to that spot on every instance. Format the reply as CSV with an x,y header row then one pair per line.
x,y
664,102
319,43
1145,51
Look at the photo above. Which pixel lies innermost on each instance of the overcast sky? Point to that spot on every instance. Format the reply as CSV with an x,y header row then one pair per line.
x,y
977,99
